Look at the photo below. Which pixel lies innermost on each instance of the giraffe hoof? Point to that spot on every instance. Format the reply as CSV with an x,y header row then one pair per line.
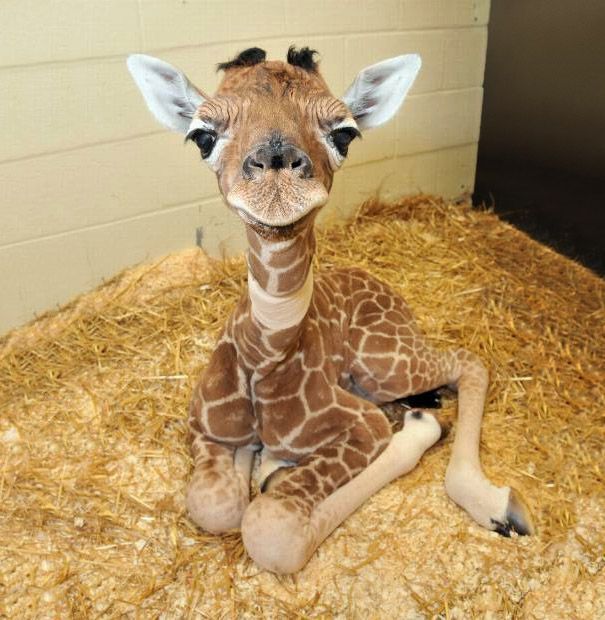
x,y
518,518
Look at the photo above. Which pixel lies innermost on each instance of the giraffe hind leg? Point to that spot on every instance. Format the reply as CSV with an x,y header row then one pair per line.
x,y
501,509
391,359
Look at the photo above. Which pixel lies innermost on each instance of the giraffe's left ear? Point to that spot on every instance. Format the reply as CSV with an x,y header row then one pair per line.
x,y
380,89
169,95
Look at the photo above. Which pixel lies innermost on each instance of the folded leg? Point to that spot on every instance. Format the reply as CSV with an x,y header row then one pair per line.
x,y
281,529
219,490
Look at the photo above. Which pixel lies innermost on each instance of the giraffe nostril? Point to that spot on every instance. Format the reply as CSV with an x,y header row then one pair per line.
x,y
296,164
253,167
277,162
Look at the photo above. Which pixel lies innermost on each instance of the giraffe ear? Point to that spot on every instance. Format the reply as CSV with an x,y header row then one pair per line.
x,y
168,93
379,90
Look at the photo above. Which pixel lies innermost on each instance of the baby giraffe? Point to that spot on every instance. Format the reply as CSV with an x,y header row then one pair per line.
x,y
304,360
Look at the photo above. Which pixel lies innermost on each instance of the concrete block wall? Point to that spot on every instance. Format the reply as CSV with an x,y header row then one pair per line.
x,y
90,184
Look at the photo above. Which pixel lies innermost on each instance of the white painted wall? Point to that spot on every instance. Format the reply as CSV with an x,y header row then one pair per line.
x,y
89,184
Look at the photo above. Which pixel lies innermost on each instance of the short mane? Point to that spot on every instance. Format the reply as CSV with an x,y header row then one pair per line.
x,y
248,58
302,58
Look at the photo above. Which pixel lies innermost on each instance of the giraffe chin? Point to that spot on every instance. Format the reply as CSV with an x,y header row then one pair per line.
x,y
277,233
277,210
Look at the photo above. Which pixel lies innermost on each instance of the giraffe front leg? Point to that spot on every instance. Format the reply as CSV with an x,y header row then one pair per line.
x,y
221,429
219,489
283,528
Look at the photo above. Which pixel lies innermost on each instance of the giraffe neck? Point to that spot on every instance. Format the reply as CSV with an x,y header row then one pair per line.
x,y
280,279
280,312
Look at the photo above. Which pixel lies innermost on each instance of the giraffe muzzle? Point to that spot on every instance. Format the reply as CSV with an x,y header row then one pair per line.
x,y
276,203
277,187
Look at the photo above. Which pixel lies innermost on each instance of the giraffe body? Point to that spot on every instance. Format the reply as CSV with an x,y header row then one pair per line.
x,y
305,359
356,337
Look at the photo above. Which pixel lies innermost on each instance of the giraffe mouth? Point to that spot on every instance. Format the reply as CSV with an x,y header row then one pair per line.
x,y
277,203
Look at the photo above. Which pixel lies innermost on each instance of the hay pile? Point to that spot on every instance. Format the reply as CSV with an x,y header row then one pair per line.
x,y
93,460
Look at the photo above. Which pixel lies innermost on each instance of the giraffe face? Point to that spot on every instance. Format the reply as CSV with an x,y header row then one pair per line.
x,y
273,133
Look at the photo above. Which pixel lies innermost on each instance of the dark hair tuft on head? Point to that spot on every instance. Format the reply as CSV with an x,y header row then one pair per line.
x,y
248,58
302,58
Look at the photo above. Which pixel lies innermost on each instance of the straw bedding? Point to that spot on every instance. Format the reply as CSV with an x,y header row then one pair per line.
x,y
93,459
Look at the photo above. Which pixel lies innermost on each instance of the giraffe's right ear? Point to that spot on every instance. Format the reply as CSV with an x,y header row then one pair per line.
x,y
168,93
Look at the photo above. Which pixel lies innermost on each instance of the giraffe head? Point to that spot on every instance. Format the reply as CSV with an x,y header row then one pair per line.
x,y
273,133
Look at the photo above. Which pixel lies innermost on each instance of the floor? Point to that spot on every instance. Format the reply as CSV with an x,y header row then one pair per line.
x,y
94,459
562,210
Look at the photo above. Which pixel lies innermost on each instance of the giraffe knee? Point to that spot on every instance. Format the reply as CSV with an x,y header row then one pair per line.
x,y
470,370
215,508
276,537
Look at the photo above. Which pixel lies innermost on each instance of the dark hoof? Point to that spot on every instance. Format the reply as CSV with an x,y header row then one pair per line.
x,y
518,518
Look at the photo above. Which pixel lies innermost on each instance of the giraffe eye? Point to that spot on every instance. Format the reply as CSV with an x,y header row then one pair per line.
x,y
205,140
342,137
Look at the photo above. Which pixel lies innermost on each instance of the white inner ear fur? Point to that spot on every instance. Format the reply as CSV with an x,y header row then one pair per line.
x,y
169,95
379,90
